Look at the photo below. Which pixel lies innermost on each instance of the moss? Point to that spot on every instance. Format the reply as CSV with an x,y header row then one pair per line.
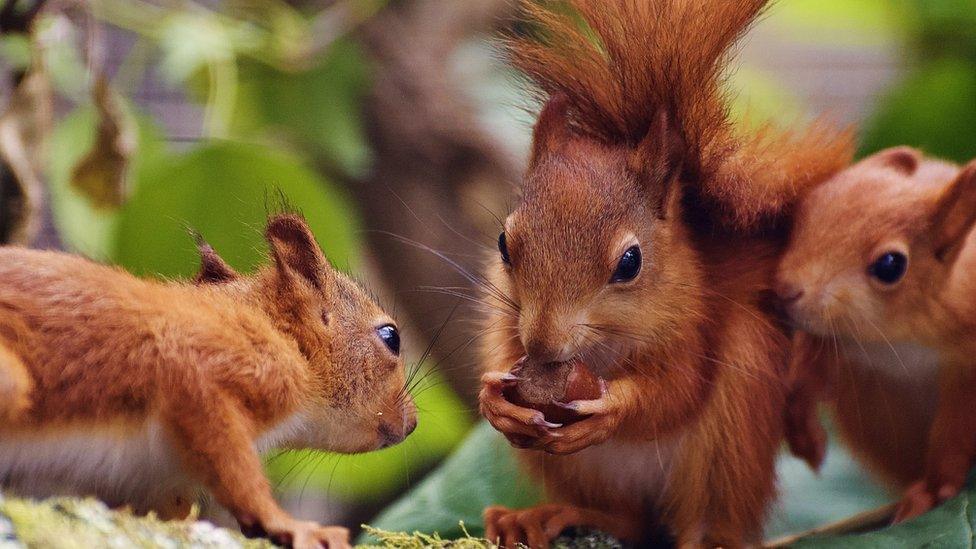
x,y
402,540
71,523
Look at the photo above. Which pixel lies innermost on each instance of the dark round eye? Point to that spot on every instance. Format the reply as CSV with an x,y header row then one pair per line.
x,y
889,268
628,266
391,338
503,249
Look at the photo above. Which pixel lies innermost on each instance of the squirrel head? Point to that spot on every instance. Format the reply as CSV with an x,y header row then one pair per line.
x,y
594,256
872,249
359,400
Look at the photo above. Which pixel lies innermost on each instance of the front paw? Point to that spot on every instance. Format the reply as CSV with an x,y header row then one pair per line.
x,y
806,437
917,500
299,534
601,420
922,496
523,427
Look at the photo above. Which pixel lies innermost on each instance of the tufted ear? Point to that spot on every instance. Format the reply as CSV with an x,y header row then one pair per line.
x,y
213,268
296,253
904,160
955,215
551,129
657,162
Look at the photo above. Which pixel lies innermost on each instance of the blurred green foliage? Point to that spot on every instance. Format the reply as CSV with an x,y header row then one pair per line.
x,y
316,108
83,227
934,107
950,525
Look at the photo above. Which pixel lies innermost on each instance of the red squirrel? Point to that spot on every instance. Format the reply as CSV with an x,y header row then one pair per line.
x,y
644,246
879,274
143,392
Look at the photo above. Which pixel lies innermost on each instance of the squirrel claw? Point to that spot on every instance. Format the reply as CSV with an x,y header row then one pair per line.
x,y
540,421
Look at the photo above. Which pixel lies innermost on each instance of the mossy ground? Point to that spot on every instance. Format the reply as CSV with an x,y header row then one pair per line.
x,y
71,523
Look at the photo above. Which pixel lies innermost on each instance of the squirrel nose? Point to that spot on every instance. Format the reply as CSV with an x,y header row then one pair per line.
x,y
788,292
544,352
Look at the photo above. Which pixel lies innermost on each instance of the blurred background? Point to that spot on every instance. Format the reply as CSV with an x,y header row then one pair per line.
x,y
396,129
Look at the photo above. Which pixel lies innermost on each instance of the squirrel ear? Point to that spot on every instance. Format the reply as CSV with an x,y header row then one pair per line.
x,y
904,160
213,268
552,127
955,215
657,161
295,250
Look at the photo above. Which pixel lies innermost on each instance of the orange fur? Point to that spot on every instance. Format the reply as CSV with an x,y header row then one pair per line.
x,y
636,58
895,359
634,148
195,379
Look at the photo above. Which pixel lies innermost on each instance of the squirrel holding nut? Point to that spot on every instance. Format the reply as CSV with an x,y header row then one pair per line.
x,y
878,274
142,392
633,352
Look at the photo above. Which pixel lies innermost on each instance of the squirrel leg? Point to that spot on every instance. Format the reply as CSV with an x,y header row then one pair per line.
x,y
952,445
806,385
538,526
216,444
15,385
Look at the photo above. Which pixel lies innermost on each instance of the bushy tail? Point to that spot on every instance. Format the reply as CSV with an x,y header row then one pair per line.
x,y
620,62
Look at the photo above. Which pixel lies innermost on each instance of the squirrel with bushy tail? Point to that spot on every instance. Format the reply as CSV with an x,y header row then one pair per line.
x,y
644,248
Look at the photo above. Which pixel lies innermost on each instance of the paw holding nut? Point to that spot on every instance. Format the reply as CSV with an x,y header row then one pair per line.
x,y
547,387
558,408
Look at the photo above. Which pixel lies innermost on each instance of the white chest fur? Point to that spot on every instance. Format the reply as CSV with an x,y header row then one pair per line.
x,y
135,465
639,469
913,369
898,361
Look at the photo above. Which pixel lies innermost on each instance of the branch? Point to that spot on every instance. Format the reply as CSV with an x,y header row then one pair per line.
x,y
861,522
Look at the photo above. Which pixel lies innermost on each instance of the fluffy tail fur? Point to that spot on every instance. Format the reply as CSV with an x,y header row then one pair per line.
x,y
620,62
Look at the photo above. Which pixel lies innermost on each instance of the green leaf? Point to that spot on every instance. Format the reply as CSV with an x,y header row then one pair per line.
x,y
84,228
934,109
483,471
225,190
807,500
318,108
15,50
950,525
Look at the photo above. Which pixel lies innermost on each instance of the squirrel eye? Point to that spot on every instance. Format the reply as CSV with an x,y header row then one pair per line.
x,y
628,266
503,249
391,338
889,268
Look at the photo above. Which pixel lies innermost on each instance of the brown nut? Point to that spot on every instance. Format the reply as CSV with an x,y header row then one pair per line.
x,y
541,386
